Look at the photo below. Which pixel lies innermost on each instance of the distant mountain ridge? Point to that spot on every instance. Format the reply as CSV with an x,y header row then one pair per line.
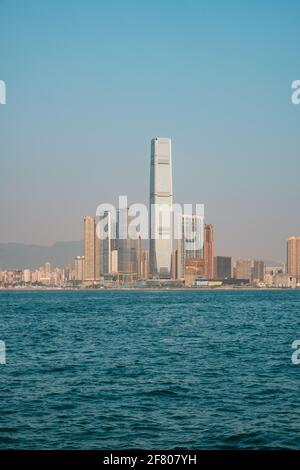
x,y
274,264
18,255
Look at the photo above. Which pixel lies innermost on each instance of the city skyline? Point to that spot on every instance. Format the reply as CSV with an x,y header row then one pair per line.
x,y
191,263
161,250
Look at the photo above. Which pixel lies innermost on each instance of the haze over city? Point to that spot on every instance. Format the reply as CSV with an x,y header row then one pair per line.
x,y
83,104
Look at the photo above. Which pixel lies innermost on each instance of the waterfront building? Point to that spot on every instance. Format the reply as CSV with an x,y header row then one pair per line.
x,y
161,201
114,261
258,271
106,246
91,250
128,245
79,268
27,276
222,267
285,281
194,269
243,269
139,257
174,270
191,240
47,269
145,265
293,257
209,251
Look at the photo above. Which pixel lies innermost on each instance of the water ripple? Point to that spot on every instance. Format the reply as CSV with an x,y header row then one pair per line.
x,y
100,370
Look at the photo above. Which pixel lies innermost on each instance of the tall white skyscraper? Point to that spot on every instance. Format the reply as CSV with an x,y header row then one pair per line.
x,y
161,201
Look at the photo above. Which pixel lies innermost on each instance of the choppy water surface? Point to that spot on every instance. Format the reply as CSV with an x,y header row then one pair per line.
x,y
101,370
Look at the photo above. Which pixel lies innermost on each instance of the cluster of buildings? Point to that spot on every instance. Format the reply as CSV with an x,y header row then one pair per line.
x,y
186,261
161,260
215,271
44,276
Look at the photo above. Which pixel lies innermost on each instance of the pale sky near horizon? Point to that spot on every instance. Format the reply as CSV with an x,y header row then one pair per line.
x,y
89,83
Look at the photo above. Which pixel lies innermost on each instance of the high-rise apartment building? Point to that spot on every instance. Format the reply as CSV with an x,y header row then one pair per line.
x,y
114,261
91,250
254,271
106,246
293,257
222,267
191,240
27,275
128,245
243,269
258,271
194,269
47,269
174,270
145,265
79,268
139,257
161,201
209,251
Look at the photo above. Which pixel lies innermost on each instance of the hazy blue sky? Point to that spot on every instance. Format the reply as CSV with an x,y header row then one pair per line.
x,y
89,83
